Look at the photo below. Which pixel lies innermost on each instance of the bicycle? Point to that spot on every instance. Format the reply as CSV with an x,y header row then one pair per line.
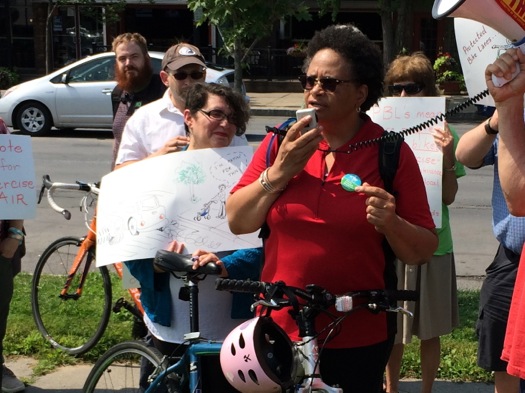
x,y
284,365
68,265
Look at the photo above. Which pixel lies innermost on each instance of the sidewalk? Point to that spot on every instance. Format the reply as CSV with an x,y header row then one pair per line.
x,y
285,104
70,379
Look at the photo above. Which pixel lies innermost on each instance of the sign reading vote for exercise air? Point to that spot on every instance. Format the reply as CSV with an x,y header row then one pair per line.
x,y
17,178
142,207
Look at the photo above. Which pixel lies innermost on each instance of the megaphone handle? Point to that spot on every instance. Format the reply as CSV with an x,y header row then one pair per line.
x,y
498,82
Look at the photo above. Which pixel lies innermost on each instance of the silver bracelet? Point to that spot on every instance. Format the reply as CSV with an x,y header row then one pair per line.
x,y
266,185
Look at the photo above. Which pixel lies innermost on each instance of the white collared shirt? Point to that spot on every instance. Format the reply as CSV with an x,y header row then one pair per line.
x,y
151,126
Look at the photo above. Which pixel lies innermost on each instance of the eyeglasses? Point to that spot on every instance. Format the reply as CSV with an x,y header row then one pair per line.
x,y
218,115
410,89
181,75
326,83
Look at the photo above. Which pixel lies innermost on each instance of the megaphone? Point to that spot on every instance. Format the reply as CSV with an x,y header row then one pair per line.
x,y
504,17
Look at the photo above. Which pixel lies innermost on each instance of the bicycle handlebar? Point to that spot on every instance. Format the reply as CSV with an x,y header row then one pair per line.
x,y
277,295
247,286
51,187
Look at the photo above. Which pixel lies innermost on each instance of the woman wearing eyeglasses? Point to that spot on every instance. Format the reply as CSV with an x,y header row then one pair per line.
x,y
323,233
436,313
214,116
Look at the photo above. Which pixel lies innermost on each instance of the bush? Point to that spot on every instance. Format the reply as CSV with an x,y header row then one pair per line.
x,y
447,69
8,78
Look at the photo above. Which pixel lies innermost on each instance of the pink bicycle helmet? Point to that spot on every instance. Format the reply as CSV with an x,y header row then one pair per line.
x,y
257,356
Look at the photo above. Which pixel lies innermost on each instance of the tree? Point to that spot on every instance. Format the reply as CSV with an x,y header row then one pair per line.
x,y
242,23
394,13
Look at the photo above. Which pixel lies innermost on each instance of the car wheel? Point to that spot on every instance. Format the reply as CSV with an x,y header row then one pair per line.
x,y
33,119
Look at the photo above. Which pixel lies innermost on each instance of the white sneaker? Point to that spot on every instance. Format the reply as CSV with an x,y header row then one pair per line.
x,y
10,383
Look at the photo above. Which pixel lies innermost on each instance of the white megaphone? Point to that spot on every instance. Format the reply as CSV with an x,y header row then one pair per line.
x,y
505,18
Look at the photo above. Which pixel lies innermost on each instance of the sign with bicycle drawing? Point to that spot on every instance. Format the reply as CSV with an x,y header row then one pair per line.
x,y
144,206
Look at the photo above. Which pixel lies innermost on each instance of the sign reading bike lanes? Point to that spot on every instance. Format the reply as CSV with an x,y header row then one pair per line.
x,y
17,178
144,206
478,46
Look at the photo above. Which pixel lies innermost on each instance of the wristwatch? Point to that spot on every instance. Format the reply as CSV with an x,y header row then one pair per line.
x,y
488,129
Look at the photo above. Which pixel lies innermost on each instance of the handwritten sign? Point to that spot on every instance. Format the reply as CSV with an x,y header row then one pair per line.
x,y
478,46
400,113
17,178
144,206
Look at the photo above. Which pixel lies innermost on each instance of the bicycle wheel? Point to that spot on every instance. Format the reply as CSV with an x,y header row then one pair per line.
x,y
62,320
119,369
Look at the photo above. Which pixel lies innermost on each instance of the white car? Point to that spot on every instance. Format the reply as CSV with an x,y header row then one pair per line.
x,y
76,96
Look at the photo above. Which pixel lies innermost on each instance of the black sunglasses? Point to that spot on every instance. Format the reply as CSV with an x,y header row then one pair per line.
x,y
410,89
326,83
181,75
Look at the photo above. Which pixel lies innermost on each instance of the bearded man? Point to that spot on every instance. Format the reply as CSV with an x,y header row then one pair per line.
x,y
136,83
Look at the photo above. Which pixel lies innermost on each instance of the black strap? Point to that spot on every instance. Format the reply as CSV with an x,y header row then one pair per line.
x,y
115,98
389,151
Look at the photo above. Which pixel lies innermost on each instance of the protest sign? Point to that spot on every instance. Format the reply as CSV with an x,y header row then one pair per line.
x,y
17,178
478,46
144,206
400,113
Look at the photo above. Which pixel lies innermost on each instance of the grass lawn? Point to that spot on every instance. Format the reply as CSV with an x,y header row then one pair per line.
x,y
458,349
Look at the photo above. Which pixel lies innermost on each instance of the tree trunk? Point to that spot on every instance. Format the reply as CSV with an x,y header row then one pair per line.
x,y
395,39
237,61
401,39
385,10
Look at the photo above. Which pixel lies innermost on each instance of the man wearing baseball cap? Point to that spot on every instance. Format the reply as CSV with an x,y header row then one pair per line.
x,y
180,55
158,128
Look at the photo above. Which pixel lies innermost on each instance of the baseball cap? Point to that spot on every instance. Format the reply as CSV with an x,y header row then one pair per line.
x,y
180,55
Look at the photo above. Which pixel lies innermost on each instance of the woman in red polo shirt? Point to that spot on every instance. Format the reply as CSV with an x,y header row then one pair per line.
x,y
320,233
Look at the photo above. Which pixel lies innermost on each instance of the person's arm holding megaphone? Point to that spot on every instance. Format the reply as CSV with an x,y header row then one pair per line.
x,y
509,104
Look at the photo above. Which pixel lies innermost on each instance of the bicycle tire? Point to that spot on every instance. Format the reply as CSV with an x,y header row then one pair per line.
x,y
63,322
118,369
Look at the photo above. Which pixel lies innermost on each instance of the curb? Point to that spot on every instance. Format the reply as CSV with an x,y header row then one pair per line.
x,y
277,112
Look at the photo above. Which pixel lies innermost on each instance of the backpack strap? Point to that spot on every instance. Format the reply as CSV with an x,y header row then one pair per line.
x,y
115,98
389,151
278,133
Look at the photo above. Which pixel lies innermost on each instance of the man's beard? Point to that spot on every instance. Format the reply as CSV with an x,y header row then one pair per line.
x,y
131,82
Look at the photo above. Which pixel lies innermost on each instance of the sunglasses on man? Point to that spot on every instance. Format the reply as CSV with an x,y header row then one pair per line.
x,y
409,88
182,75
